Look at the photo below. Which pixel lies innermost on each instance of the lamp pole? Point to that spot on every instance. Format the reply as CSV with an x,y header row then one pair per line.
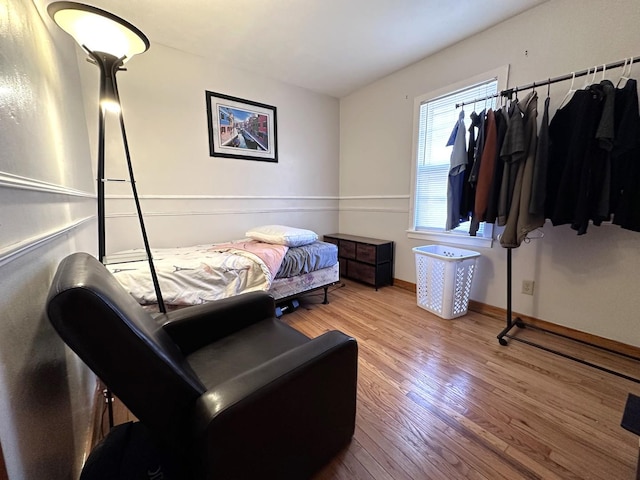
x,y
109,65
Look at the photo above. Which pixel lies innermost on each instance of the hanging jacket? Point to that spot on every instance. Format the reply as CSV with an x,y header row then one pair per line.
x,y
539,183
457,167
512,153
519,222
468,190
475,168
600,178
528,221
487,165
626,157
572,143
501,120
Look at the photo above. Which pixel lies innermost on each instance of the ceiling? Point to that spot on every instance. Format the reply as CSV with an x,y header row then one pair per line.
x,y
329,46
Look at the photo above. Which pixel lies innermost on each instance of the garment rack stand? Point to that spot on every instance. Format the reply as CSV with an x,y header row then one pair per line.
x,y
518,322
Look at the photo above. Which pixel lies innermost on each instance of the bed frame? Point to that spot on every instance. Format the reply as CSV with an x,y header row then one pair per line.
x,y
285,289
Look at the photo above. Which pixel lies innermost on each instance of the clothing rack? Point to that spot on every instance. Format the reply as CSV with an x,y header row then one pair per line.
x,y
508,93
518,322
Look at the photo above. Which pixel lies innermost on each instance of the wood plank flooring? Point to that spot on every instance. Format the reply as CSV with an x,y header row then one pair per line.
x,y
441,399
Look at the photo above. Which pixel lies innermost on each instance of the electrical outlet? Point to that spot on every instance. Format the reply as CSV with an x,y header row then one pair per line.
x,y
527,287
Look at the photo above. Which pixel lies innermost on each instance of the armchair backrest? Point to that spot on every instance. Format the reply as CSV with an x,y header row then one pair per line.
x,y
122,344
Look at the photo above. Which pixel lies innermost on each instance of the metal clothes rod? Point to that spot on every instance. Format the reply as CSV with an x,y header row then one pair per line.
x,y
590,71
478,100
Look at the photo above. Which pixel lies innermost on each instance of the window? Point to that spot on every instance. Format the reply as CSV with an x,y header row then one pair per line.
x,y
435,115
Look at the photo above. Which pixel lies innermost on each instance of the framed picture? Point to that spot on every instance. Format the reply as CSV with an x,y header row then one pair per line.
x,y
241,128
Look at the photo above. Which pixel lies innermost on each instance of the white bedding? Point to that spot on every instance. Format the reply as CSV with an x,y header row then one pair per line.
x,y
202,273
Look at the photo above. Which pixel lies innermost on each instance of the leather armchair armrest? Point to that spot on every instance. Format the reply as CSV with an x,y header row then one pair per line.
x,y
193,327
302,402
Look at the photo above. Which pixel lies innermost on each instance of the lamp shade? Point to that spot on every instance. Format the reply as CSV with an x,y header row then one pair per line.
x,y
97,30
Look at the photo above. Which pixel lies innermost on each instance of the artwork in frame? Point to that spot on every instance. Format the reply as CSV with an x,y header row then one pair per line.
x,y
241,128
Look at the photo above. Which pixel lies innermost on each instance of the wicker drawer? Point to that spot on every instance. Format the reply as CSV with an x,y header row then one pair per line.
x,y
347,249
361,271
366,253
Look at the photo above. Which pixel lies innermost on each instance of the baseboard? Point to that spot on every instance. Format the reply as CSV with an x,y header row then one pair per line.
x,y
404,285
501,314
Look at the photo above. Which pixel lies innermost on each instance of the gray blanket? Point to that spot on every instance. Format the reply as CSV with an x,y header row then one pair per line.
x,y
308,258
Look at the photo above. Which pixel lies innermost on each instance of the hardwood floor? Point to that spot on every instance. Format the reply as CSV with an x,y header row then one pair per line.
x,y
441,399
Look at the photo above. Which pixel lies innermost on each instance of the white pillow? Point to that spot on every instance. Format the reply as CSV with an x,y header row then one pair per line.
x,y
282,235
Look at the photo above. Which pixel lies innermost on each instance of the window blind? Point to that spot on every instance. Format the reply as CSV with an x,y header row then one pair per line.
x,y
437,117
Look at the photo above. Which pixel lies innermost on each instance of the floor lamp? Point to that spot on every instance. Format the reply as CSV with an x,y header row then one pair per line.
x,y
110,42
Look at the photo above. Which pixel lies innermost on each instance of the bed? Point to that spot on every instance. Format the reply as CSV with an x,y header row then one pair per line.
x,y
286,267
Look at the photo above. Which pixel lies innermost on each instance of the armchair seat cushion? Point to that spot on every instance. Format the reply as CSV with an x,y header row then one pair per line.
x,y
243,350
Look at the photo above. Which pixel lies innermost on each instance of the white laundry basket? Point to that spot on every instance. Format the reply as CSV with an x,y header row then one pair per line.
x,y
443,279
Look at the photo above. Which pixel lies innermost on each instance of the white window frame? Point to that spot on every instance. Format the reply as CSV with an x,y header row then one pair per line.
x,y
440,235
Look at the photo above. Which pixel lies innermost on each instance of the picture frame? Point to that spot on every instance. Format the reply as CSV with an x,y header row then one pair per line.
x,y
242,129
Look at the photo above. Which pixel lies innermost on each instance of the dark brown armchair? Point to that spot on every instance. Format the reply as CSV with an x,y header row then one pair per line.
x,y
235,392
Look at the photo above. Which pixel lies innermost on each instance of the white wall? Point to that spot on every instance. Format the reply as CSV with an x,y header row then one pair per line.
x,y
588,283
48,211
189,197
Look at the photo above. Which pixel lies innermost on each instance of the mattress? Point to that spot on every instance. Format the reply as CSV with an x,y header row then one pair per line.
x,y
203,273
